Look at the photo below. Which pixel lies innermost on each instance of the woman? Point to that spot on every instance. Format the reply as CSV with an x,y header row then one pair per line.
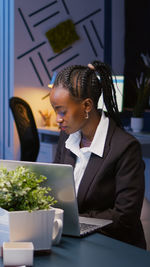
x,y
107,161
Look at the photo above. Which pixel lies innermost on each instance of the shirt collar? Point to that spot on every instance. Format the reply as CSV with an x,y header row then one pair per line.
x,y
98,143
72,143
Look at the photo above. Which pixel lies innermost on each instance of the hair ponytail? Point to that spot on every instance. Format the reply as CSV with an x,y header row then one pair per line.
x,y
108,90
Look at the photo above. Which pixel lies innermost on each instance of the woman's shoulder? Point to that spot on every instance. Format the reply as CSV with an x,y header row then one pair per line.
x,y
120,134
120,141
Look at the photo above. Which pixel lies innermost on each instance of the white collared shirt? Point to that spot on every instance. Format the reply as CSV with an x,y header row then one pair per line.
x,y
83,154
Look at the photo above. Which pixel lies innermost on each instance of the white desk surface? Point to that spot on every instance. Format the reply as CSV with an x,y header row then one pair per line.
x,y
48,130
143,137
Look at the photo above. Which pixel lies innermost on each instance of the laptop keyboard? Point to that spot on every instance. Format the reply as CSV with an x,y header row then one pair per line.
x,y
88,228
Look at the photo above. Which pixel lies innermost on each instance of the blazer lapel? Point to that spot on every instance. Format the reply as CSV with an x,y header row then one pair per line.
x,y
69,158
94,166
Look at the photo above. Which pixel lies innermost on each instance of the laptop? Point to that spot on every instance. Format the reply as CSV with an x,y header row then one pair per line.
x,y
61,180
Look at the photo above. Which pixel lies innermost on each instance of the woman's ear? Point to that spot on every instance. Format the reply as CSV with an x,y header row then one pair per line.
x,y
88,104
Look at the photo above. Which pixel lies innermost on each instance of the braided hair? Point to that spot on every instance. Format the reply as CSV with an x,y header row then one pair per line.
x,y
83,82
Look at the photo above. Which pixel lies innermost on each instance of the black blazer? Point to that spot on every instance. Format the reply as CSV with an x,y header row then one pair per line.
x,y
112,187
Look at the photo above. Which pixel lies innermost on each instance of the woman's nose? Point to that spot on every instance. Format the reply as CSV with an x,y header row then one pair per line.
x,y
59,119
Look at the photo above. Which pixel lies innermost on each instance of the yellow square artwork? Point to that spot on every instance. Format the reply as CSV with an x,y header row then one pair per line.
x,y
63,35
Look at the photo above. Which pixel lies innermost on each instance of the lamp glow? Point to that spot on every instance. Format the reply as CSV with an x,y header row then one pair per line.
x,y
50,85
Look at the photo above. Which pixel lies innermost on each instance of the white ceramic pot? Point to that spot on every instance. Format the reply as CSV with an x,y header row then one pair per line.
x,y
36,227
137,124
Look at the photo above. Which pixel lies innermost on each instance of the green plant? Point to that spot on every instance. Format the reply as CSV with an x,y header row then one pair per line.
x,y
20,190
143,89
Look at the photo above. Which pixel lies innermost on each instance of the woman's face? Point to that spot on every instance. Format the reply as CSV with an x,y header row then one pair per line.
x,y
70,113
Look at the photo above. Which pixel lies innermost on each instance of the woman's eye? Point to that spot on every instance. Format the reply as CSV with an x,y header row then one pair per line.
x,y
61,113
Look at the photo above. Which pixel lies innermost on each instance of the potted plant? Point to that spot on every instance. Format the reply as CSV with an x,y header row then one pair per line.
x,y
143,94
26,212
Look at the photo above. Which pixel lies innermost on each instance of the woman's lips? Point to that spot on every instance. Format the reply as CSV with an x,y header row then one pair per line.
x,y
63,128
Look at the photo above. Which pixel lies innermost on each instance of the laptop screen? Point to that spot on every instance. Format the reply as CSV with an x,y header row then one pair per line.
x,y
119,87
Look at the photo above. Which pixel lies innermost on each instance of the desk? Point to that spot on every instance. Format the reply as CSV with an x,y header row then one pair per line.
x,y
143,137
48,130
95,250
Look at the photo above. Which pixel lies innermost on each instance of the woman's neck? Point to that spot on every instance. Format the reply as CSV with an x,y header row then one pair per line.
x,y
85,142
87,134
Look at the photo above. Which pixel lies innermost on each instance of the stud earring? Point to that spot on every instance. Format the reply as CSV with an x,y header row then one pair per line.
x,y
87,115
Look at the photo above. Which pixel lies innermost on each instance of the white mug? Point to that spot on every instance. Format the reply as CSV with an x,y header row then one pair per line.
x,y
58,226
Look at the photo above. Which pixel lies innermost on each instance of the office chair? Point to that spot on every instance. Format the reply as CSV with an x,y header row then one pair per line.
x,y
26,127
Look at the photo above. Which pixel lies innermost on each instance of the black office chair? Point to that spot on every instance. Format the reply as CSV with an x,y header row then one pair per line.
x,y
26,127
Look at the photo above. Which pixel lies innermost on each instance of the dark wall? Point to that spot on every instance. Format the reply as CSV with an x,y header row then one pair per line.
x,y
137,41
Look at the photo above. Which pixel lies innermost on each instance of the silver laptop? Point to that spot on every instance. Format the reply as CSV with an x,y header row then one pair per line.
x,y
61,180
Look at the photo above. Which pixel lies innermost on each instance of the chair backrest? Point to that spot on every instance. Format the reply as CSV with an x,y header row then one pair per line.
x,y
26,127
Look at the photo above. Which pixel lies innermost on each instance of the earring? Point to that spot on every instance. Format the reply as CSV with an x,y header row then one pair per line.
x,y
87,115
